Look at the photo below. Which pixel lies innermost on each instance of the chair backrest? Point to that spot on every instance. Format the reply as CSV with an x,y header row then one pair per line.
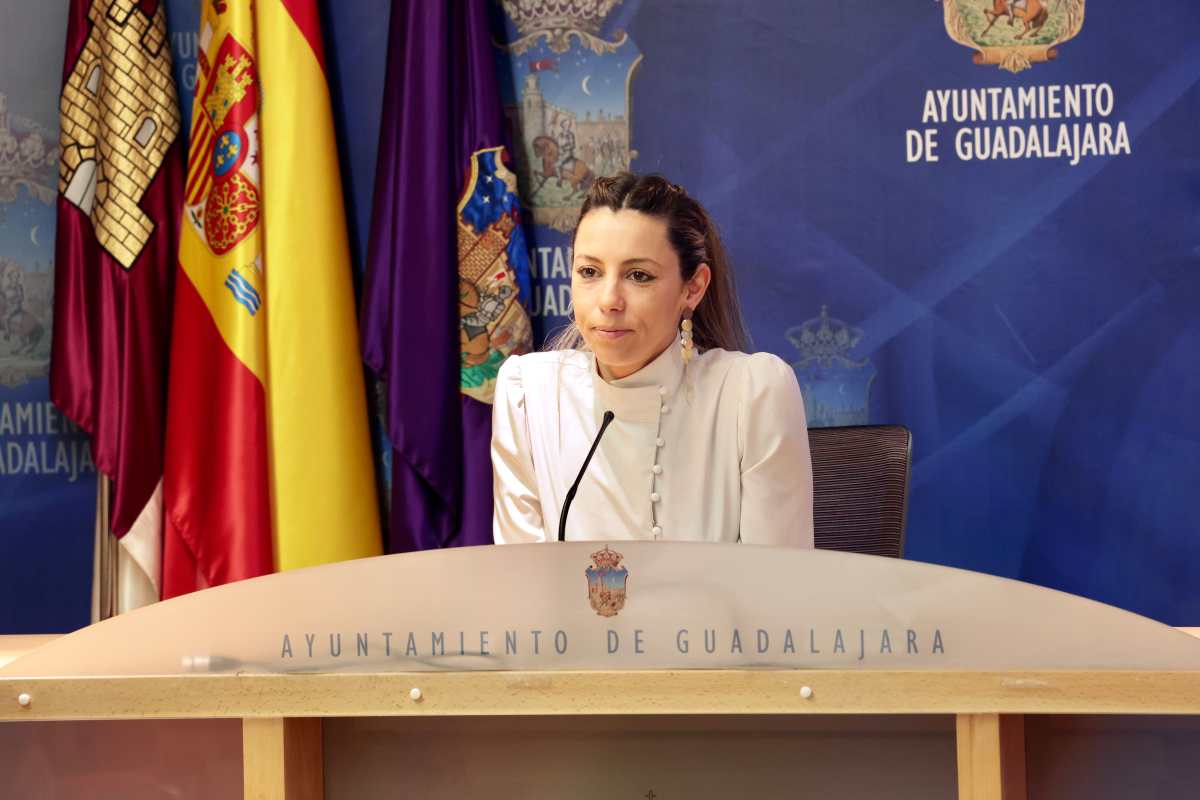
x,y
860,487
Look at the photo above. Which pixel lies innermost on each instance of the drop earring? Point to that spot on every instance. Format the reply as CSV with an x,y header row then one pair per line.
x,y
687,351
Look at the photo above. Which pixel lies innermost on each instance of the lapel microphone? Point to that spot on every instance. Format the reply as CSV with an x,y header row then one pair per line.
x,y
562,518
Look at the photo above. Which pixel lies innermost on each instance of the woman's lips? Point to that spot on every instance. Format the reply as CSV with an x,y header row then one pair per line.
x,y
611,333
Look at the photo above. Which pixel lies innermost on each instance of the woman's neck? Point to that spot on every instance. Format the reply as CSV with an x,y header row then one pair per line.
x,y
610,374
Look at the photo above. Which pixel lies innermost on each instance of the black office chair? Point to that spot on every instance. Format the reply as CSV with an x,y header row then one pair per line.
x,y
860,487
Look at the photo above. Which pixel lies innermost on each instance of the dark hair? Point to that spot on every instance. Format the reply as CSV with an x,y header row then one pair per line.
x,y
717,321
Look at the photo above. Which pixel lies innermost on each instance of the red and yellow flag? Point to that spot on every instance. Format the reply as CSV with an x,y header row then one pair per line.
x,y
268,456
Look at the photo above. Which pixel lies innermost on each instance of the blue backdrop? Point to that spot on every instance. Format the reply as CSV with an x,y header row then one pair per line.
x,y
47,479
1035,322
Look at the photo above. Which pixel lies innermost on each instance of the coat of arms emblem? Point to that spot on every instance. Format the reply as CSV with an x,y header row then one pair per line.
x,y
567,101
492,263
606,582
28,164
1013,34
835,384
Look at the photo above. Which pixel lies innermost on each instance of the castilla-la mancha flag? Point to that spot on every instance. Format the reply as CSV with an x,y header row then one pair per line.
x,y
268,455
120,183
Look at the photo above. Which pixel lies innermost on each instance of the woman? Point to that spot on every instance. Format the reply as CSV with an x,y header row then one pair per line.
x,y
708,443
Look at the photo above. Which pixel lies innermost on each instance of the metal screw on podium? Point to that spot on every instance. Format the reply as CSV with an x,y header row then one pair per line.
x,y
415,694
806,692
24,699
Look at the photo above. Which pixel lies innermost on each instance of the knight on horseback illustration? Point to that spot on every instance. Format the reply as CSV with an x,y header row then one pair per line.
x,y
1032,13
17,324
1034,31
560,162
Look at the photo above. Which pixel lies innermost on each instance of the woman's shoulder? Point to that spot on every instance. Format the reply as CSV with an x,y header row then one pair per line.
x,y
533,366
758,369
761,386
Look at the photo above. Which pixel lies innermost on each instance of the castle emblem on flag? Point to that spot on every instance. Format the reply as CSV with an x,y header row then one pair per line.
x,y
106,176
1013,34
234,78
606,582
493,269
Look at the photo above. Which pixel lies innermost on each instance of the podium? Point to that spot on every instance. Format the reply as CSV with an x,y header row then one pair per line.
x,y
620,669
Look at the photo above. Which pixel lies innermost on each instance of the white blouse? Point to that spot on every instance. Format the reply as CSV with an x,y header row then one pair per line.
x,y
715,452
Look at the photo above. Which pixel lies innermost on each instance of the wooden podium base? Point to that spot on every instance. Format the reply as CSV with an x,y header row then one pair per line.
x,y
283,713
284,716
282,758
991,756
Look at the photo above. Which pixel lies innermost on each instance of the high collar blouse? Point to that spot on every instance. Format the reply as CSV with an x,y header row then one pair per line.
x,y
715,451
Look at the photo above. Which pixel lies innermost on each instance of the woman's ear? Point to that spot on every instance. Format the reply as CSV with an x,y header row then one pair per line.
x,y
694,289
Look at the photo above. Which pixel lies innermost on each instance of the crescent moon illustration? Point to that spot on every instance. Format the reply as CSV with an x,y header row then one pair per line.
x,y
584,85
33,236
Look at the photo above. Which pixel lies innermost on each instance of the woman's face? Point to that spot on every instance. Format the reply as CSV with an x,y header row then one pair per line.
x,y
628,290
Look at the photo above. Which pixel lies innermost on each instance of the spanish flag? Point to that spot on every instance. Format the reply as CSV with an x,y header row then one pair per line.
x,y
268,461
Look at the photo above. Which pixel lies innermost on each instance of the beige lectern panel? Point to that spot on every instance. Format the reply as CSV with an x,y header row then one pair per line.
x,y
598,758
631,605
129,760
1112,757
13,647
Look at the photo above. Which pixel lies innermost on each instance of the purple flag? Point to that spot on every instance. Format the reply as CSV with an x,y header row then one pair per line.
x,y
441,307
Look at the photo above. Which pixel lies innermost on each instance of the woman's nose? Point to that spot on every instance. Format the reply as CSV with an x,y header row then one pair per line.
x,y
612,298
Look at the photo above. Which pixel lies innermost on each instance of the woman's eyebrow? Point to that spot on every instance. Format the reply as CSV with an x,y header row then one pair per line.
x,y
626,262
